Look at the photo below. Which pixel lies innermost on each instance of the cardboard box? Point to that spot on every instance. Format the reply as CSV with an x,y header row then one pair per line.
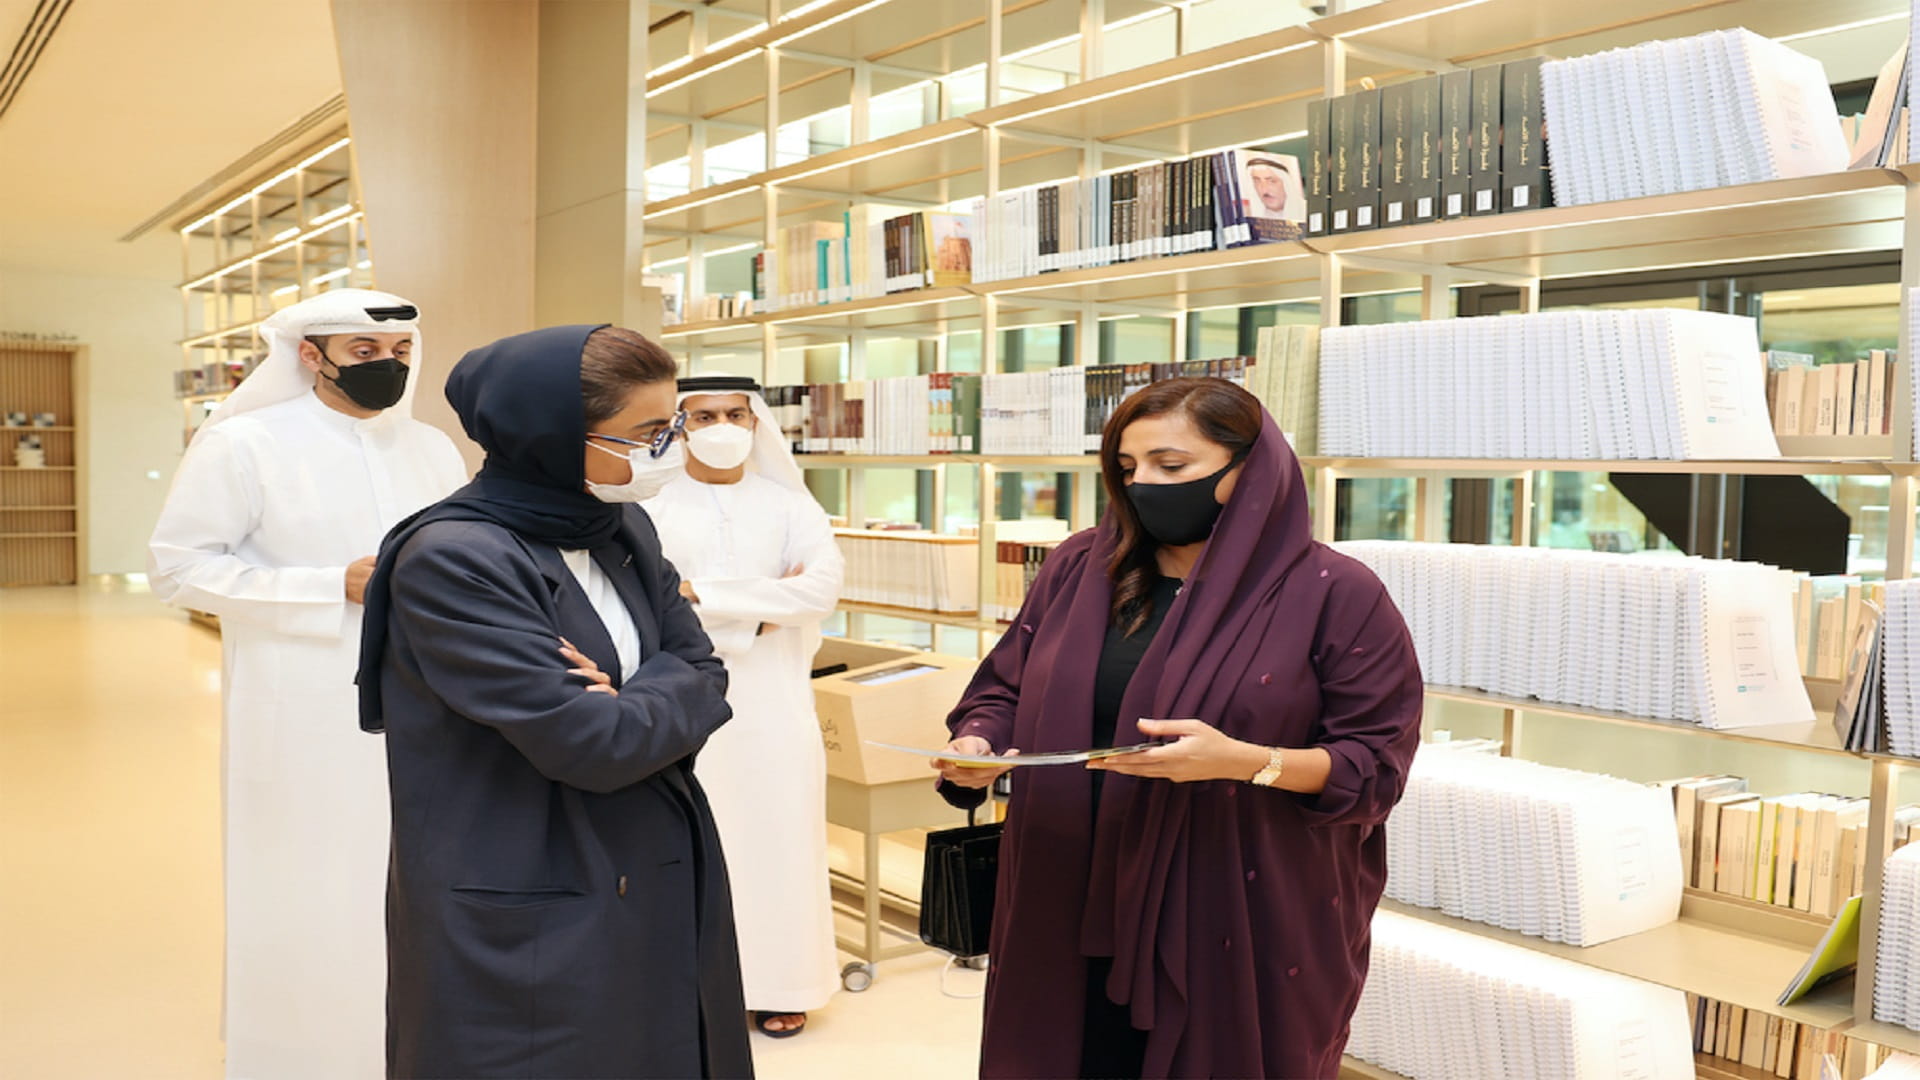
x,y
895,695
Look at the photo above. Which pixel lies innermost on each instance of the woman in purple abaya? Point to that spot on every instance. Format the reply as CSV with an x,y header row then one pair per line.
x,y
1200,909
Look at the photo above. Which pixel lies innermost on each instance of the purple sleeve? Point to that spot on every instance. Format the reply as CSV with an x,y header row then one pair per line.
x,y
1371,697
987,708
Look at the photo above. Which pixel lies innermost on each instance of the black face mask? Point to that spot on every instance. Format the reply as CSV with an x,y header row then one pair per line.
x,y
376,384
1176,515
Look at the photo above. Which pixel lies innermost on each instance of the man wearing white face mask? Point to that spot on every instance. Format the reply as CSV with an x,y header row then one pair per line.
x,y
757,558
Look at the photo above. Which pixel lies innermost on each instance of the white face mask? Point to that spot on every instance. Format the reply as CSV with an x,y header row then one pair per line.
x,y
650,474
722,446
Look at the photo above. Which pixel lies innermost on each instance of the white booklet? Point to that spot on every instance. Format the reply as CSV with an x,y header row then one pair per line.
x,y
991,761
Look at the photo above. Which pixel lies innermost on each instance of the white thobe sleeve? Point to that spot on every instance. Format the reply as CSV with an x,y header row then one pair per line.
x,y
193,560
805,599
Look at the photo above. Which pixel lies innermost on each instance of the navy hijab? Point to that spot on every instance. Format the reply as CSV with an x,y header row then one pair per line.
x,y
520,399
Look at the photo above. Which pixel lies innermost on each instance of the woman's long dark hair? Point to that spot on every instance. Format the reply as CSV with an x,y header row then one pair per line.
x,y
1224,414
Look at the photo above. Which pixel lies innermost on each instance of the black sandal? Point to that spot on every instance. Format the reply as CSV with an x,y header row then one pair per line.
x,y
761,1020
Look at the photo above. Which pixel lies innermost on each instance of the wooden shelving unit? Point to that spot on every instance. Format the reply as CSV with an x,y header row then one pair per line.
x,y
43,511
275,237
1201,100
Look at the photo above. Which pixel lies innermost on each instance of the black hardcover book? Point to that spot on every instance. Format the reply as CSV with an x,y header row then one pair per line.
x,y
1427,135
1396,154
1366,138
1486,141
1318,172
1456,143
1523,153
1345,160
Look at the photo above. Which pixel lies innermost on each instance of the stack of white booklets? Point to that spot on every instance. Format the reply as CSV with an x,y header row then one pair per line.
x,y
1599,385
1441,1004
917,570
1568,856
1896,978
1913,337
1727,107
1667,637
1034,412
1900,660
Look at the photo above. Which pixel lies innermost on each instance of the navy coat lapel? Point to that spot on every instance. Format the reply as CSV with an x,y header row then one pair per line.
x,y
575,613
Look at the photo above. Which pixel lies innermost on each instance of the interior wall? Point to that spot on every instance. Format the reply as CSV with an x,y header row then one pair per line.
x,y
135,430
441,98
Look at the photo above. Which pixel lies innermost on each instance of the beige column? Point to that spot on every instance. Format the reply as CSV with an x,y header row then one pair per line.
x,y
589,186
441,99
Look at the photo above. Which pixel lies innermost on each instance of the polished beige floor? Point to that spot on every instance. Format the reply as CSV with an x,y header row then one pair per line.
x,y
110,853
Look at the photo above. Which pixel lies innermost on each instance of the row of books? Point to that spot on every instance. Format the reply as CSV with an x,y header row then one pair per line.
x,y
1447,146
1567,856
1285,376
915,570
870,251
1849,398
1776,1046
1210,202
919,571
1704,641
1807,851
1607,385
1019,566
1722,108
1900,663
1896,980
1828,613
1444,1004
1057,411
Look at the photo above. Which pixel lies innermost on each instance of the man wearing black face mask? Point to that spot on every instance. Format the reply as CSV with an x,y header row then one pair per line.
x,y
272,524
363,375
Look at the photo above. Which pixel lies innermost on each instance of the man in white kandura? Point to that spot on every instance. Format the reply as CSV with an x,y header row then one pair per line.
x,y
272,524
758,560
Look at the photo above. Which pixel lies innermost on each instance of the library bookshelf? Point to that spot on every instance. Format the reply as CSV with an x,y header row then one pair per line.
x,y
43,508
843,52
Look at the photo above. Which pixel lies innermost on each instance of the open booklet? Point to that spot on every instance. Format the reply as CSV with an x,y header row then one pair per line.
x,y
1833,958
991,761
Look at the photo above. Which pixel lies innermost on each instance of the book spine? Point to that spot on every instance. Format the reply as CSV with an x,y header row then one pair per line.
x,y
1456,144
1428,135
1523,162
1396,154
1318,172
1366,138
1485,168
1345,161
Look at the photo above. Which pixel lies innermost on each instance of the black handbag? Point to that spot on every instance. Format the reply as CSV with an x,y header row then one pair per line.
x,y
956,889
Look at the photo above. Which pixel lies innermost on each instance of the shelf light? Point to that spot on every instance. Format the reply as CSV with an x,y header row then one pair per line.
x,y
284,290
1462,6
272,251
331,214
1151,83
734,250
864,158
263,186
691,76
228,332
334,275
698,202
824,23
286,234
363,264
1843,27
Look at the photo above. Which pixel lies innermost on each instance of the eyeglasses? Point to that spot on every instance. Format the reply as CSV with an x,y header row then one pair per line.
x,y
656,446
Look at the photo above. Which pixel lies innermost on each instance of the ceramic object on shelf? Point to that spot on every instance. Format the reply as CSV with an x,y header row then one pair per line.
x,y
45,419
28,454
16,419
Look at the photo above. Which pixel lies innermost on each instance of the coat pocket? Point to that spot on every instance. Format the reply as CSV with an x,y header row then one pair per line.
x,y
511,899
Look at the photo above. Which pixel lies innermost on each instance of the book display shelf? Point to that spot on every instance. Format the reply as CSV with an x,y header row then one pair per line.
x,y
275,236
43,462
1249,92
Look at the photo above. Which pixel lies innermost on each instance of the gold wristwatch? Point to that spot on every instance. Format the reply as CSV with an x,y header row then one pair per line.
x,y
1270,775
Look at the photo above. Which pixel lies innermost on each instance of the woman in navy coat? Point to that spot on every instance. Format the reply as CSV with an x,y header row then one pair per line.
x,y
558,904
